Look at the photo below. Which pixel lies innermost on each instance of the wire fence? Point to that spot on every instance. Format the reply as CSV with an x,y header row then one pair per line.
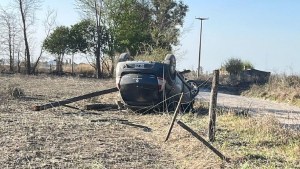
x,y
287,115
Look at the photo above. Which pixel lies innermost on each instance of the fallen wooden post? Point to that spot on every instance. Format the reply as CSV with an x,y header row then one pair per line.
x,y
174,118
74,99
101,107
207,144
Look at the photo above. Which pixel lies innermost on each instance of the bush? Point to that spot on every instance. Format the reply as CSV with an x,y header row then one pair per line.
x,y
234,66
156,55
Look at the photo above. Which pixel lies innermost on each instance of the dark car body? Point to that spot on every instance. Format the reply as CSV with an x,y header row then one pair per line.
x,y
146,85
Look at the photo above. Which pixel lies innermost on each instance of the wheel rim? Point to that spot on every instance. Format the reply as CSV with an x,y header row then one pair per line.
x,y
195,89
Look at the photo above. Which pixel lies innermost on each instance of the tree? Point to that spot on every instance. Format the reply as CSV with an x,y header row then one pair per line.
x,y
49,23
58,43
167,18
138,23
27,10
81,38
92,10
9,32
234,66
129,23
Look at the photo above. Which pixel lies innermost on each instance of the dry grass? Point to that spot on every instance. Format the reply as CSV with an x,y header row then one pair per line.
x,y
252,142
281,88
69,138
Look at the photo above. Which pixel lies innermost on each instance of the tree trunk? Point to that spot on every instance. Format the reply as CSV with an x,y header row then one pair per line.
x,y
11,59
72,64
28,66
98,66
37,62
19,69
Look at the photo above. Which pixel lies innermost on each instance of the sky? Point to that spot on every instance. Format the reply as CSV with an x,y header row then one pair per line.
x,y
265,33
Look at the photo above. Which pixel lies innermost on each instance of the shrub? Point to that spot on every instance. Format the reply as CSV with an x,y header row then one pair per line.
x,y
234,66
157,55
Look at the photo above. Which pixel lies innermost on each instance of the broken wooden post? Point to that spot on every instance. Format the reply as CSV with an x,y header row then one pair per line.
x,y
212,106
212,148
101,106
174,117
74,99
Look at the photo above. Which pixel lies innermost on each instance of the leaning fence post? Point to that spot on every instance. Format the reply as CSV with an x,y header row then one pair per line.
x,y
212,106
174,117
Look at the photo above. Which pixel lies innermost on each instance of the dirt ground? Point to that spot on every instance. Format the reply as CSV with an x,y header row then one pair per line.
x,y
65,137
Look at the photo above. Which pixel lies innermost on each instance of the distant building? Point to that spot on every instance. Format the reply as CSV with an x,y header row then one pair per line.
x,y
255,76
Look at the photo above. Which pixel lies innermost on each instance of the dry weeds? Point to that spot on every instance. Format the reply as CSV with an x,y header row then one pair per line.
x,y
280,88
67,138
70,138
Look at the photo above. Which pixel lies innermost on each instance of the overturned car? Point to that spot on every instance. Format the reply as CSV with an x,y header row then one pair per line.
x,y
146,85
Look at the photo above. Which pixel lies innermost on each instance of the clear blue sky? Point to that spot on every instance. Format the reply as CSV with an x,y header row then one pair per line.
x,y
266,33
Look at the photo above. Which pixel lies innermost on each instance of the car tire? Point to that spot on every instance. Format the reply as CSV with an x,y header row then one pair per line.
x,y
124,57
194,88
170,72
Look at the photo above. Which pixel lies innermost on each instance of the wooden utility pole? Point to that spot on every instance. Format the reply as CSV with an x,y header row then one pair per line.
x,y
199,67
212,106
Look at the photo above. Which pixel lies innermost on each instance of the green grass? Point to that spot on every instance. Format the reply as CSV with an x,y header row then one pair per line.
x,y
252,142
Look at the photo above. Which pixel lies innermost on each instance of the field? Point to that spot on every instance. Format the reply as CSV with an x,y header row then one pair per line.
x,y
65,137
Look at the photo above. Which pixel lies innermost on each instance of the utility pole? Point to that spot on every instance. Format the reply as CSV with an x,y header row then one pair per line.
x,y
199,68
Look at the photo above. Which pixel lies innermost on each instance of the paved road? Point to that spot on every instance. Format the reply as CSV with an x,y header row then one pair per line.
x,y
286,114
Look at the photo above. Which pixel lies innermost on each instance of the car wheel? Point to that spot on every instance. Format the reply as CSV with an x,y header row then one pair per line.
x,y
170,60
124,57
194,87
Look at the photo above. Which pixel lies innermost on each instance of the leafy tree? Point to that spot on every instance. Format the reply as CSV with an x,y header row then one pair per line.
x,y
234,66
129,25
93,11
83,35
136,23
129,22
167,18
58,43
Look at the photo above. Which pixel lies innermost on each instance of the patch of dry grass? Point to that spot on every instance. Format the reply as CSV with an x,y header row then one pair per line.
x,y
251,142
281,88
68,138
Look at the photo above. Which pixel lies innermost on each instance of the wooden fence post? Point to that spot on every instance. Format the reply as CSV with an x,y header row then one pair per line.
x,y
174,117
211,147
212,106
